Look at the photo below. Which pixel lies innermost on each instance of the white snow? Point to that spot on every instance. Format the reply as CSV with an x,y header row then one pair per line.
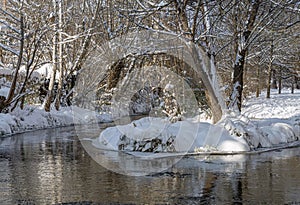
x,y
267,122
34,118
4,91
5,71
284,105
263,123
45,71
187,136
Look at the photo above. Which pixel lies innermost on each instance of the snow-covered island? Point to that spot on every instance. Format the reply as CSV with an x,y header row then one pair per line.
x,y
264,123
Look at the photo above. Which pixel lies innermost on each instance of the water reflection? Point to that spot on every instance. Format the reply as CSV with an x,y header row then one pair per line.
x,y
51,167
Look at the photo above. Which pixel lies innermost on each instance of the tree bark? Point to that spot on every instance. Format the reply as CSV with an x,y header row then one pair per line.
x,y
60,57
257,81
294,81
48,99
270,72
280,81
242,48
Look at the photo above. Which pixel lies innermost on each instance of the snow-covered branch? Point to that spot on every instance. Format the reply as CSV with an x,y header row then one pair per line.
x,y
9,49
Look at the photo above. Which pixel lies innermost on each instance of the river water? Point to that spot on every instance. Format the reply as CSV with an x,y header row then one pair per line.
x,y
52,167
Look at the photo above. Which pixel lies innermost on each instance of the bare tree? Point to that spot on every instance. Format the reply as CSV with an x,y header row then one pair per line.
x,y
48,100
242,45
60,55
235,36
18,35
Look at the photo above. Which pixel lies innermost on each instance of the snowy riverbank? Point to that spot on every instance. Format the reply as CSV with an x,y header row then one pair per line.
x,y
264,123
34,118
272,121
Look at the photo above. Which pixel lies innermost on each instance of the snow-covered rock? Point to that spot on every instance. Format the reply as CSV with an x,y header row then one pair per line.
x,y
262,134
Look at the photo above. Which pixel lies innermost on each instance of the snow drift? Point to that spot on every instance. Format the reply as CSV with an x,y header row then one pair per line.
x,y
159,135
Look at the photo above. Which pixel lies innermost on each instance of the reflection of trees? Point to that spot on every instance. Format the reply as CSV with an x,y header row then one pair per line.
x,y
46,167
37,169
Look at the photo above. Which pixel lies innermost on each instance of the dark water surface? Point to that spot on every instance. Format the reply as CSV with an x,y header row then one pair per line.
x,y
51,167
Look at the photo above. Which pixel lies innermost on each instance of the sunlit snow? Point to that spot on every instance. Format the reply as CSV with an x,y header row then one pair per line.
x,y
279,124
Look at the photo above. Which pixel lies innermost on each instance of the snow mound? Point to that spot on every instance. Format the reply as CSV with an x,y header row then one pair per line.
x,y
5,123
268,122
263,133
159,135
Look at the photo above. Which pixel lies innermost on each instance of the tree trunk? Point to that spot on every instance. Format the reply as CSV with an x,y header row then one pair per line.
x,y
27,76
270,72
274,79
294,81
238,81
257,81
242,48
280,81
60,57
22,90
1,56
269,81
48,99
